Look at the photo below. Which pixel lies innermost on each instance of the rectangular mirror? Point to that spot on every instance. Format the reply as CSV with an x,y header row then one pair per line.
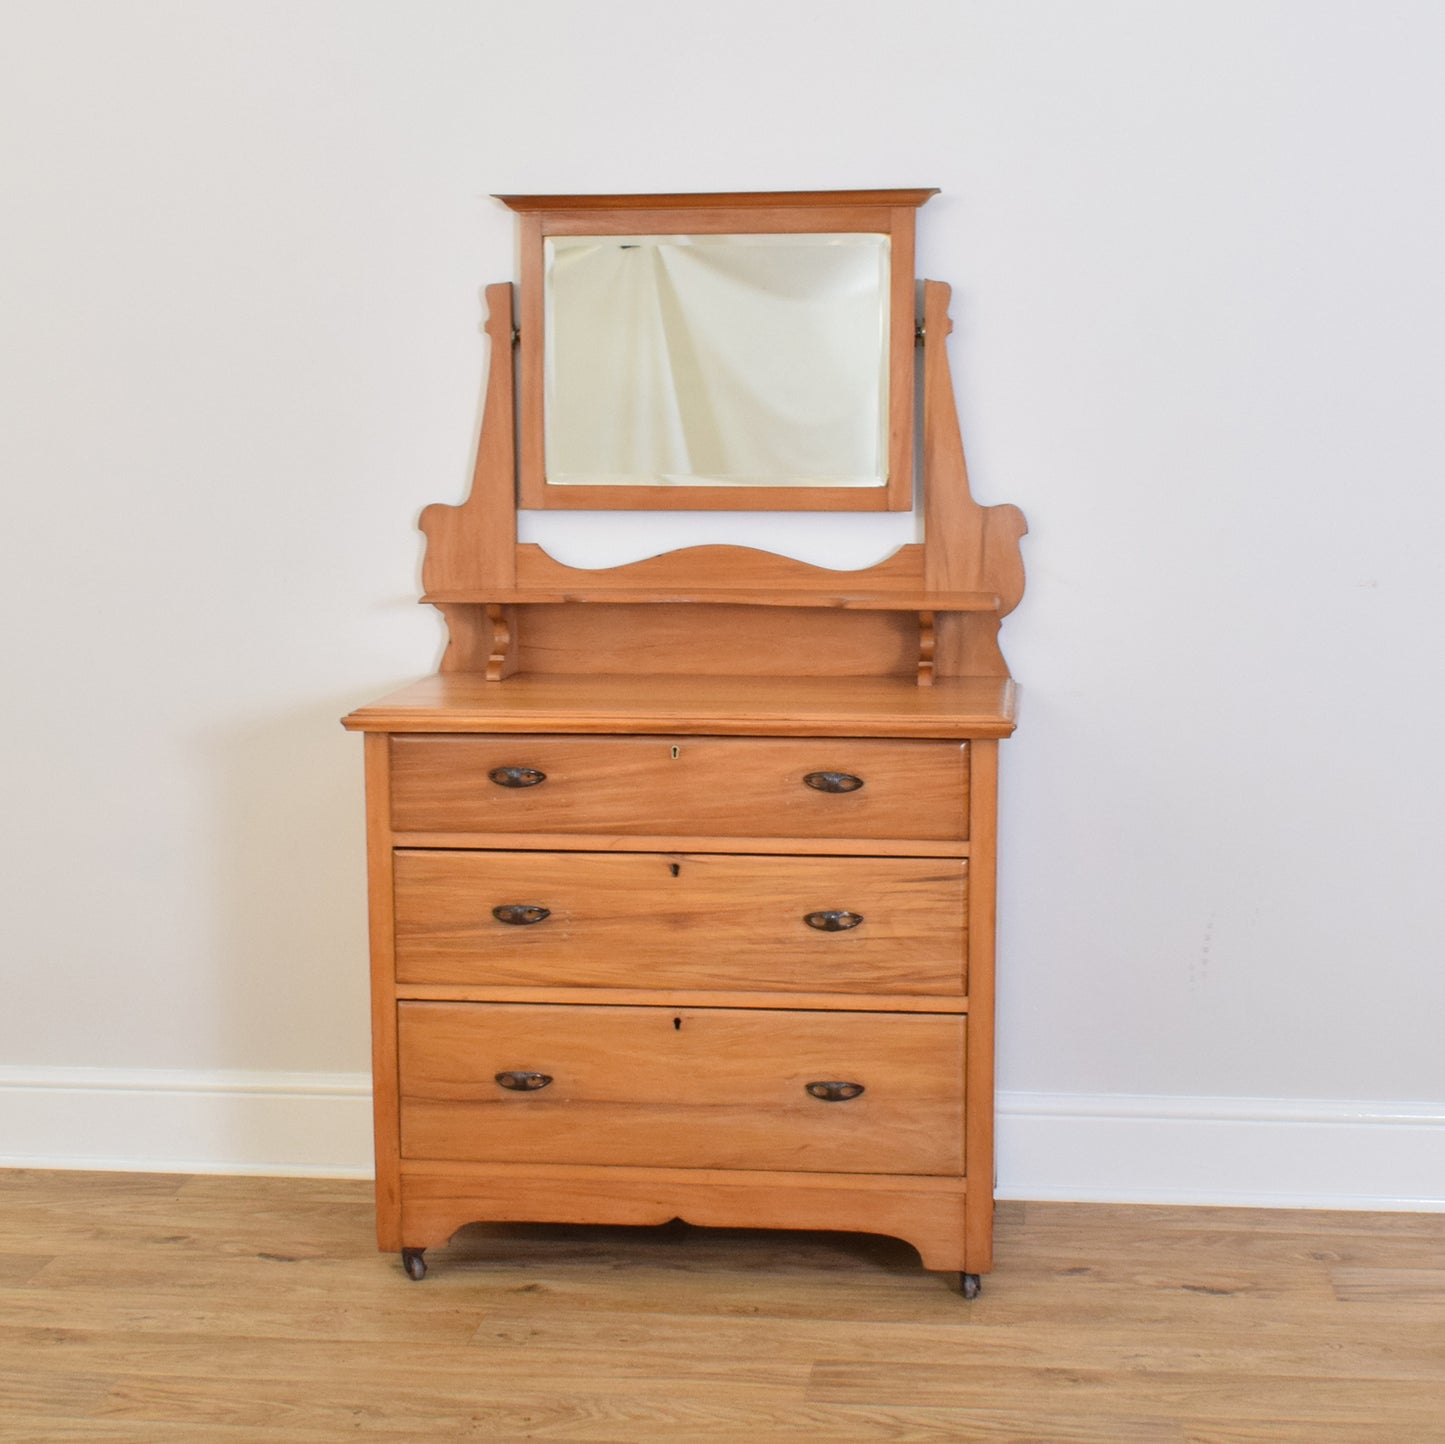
x,y
737,352
716,360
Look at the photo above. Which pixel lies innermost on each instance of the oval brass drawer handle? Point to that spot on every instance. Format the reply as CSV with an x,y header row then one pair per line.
x,y
833,781
833,921
834,1092
522,1082
520,914
516,776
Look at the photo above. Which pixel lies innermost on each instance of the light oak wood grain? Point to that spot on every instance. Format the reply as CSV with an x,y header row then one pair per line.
x,y
689,997
526,1323
382,933
677,842
18,1268
715,787
966,545
927,1212
735,569
1394,1286
979,1081
711,1088
651,704
718,200
681,920
477,540
162,1310
712,639
1068,1391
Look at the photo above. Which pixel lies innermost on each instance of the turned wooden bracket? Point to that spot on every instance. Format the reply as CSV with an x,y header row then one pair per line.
x,y
926,643
501,645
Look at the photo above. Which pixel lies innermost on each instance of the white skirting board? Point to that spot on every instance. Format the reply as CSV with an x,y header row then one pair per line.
x,y
161,1120
1240,1152
1118,1148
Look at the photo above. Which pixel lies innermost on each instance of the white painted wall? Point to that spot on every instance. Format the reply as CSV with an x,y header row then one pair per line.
x,y
1198,304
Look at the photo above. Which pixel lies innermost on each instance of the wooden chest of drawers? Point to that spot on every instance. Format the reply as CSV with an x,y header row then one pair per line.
x,y
737,979
682,870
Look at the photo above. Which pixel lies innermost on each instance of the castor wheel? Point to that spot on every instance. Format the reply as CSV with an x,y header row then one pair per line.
x,y
413,1262
972,1285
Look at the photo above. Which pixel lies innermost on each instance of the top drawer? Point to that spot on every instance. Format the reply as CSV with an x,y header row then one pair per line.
x,y
733,787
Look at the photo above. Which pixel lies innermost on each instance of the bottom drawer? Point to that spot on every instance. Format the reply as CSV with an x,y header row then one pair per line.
x,y
682,1088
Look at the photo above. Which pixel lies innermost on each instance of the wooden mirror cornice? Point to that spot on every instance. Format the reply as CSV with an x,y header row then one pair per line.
x,y
682,871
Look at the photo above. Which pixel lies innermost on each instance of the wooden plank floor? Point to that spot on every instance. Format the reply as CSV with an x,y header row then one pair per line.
x,y
157,1308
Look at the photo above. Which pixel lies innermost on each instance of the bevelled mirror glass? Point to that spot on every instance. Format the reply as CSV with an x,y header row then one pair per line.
x,y
717,360
739,351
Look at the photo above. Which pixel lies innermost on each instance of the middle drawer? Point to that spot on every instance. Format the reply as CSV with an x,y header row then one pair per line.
x,y
683,920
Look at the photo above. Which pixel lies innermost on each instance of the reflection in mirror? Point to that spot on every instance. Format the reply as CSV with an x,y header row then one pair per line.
x,y
716,360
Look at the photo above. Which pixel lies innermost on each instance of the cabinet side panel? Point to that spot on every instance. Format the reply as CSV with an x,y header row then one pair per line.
x,y
979,1087
966,645
383,989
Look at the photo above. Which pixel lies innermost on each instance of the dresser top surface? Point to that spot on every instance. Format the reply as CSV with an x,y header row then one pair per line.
x,y
741,706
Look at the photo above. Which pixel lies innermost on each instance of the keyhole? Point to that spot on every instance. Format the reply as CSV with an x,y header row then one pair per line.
x,y
677,1025
675,867
676,753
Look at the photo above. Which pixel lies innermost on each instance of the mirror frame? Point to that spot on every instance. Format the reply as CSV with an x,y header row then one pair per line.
x,y
879,212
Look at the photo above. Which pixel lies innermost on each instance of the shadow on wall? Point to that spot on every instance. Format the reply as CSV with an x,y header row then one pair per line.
x,y
290,944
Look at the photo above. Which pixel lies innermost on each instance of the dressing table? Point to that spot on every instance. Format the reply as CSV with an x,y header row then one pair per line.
x,y
682,871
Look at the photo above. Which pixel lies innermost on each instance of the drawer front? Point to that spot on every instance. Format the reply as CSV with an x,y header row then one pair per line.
x,y
715,921
712,786
682,1088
